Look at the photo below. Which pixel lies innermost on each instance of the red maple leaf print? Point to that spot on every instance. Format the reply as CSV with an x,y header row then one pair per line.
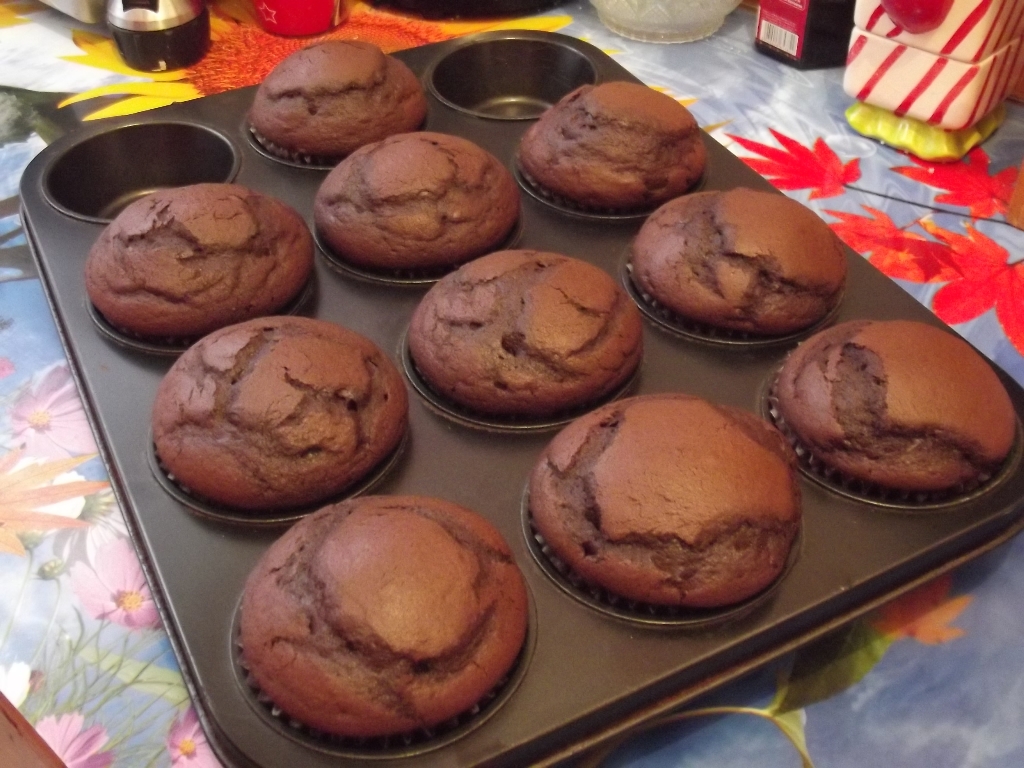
x,y
967,182
925,614
987,282
899,254
797,167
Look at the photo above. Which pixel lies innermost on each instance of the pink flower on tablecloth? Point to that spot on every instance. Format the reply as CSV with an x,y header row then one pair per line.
x,y
187,743
115,588
77,748
47,418
6,367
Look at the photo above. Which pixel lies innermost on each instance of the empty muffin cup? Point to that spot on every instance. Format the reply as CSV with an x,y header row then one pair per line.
x,y
512,78
96,178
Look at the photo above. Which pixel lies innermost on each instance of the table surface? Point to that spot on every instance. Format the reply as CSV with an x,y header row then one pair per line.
x,y
935,678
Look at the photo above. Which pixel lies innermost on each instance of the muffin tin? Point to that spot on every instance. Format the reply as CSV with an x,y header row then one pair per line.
x,y
587,671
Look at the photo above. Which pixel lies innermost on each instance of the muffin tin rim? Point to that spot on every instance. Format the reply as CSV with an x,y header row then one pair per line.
x,y
1009,519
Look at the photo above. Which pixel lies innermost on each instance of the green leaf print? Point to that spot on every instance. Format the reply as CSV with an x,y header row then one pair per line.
x,y
23,113
792,725
143,677
828,666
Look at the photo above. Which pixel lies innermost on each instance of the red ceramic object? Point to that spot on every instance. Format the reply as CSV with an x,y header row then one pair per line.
x,y
917,16
295,18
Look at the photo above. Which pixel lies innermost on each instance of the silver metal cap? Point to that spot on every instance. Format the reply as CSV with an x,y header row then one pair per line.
x,y
152,15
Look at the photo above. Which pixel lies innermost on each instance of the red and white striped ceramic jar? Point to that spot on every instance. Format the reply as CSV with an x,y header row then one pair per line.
x,y
960,61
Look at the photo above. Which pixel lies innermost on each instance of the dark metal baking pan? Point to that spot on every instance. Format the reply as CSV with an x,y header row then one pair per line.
x,y
589,672
97,176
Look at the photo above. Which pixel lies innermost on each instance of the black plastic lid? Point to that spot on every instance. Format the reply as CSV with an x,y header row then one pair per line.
x,y
437,9
165,49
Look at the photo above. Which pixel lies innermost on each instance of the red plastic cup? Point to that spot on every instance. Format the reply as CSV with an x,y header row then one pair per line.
x,y
299,17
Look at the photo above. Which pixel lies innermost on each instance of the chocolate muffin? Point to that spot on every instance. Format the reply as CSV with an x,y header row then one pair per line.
x,y
331,98
182,262
416,201
897,404
741,260
669,500
614,146
525,333
383,615
277,413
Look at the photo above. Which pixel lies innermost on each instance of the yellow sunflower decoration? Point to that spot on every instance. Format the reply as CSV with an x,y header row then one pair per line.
x,y
242,54
12,12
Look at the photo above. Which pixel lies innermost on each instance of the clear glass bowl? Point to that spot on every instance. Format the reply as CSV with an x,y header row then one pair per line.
x,y
664,21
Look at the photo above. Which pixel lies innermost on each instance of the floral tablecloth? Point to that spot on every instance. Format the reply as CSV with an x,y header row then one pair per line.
x,y
935,678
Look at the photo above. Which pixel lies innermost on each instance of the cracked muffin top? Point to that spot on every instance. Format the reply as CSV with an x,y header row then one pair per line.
x,y
277,413
743,260
900,404
333,97
182,262
416,201
614,146
383,615
670,500
526,333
